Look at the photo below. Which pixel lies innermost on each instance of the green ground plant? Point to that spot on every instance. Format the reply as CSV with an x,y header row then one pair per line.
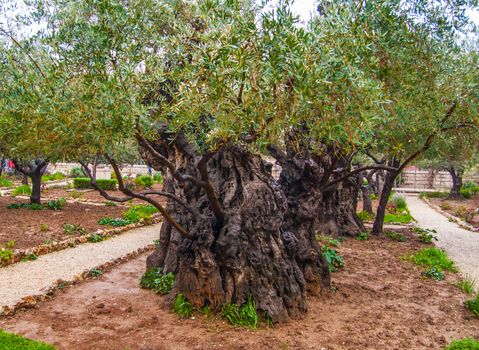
x,y
71,229
434,273
434,194
182,307
76,194
425,235
329,241
158,178
137,213
155,280
95,238
403,218
44,227
4,182
22,190
364,216
334,259
466,284
433,257
445,206
395,236
242,315
10,341
116,222
363,236
473,305
96,272
463,344
56,204
53,177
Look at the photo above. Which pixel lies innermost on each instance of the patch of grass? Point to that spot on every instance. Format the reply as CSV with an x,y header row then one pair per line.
x,y
433,257
435,194
22,190
473,305
244,315
53,177
139,212
334,259
10,341
95,238
76,194
400,202
463,344
402,218
182,307
117,222
363,236
365,216
466,284
155,280
435,274
426,235
395,236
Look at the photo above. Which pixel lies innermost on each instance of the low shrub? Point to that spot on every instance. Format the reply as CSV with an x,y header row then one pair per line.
x,y
365,216
137,213
53,177
463,344
473,305
334,259
403,218
22,190
466,193
6,254
155,280
244,315
182,307
433,257
464,213
104,184
96,238
400,202
10,341
77,172
71,229
144,181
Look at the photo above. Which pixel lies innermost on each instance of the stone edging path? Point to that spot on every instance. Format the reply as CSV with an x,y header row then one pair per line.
x,y
461,245
28,280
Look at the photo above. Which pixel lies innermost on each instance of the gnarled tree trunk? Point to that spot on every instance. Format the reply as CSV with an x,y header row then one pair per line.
x,y
255,248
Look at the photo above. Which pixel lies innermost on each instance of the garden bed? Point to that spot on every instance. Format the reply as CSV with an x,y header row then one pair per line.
x,y
463,209
404,311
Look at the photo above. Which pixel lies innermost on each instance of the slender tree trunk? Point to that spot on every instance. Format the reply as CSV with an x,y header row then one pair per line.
x,y
2,160
383,200
456,177
379,183
431,177
36,177
94,166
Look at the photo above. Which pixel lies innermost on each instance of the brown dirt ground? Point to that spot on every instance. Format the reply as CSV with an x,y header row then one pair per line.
x,y
23,225
88,195
381,302
469,204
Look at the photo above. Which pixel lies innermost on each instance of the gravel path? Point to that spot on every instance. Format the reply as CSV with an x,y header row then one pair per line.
x,y
461,245
30,278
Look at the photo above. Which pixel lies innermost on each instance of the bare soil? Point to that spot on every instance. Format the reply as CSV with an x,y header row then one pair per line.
x,y
87,195
380,302
23,225
456,207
